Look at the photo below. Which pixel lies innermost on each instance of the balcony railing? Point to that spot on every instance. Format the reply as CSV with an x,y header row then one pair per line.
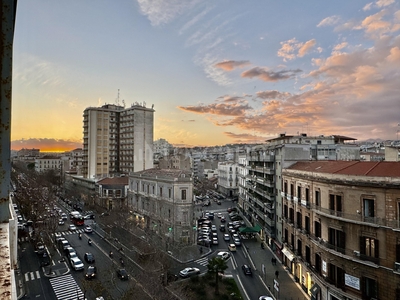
x,y
356,218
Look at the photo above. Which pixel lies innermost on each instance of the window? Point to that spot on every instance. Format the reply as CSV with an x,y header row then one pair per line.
x,y
183,194
285,211
369,248
336,275
299,248
317,229
317,198
299,192
337,239
369,288
169,193
335,203
299,220
291,189
160,191
369,208
307,224
307,196
285,187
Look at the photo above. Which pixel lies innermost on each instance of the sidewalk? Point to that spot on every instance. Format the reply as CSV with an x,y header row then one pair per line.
x,y
288,288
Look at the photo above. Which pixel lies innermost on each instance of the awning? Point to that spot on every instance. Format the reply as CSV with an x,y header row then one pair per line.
x,y
315,289
288,254
254,229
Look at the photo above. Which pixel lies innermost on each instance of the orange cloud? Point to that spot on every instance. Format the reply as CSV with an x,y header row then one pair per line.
x,y
230,65
221,109
46,145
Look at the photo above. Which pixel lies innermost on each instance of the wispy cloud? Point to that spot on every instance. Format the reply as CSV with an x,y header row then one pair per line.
x,y
269,76
162,12
292,48
329,21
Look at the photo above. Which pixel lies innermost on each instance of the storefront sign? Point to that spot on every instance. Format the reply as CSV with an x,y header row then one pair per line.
x,y
352,281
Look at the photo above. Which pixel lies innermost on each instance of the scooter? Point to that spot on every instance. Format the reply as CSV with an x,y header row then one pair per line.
x,y
90,242
111,254
262,245
80,236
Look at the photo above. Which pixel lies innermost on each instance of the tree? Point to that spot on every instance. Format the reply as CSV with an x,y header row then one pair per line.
x,y
216,266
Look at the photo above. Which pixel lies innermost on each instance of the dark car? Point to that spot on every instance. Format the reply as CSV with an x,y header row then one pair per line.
x,y
89,257
91,272
122,274
44,259
247,270
222,228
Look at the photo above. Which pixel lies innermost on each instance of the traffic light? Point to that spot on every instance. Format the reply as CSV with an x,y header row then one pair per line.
x,y
170,229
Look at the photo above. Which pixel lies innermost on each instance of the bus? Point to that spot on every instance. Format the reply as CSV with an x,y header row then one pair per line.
x,y
78,220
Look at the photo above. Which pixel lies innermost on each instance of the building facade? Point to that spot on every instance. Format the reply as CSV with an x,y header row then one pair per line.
x,y
112,192
117,140
162,202
261,202
228,179
341,229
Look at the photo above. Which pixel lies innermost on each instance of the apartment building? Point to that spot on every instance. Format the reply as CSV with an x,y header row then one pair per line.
x,y
162,202
228,179
117,140
261,200
49,162
341,228
162,147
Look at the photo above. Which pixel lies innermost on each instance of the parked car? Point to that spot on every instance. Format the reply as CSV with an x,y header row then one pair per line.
x,y
187,272
215,241
247,270
77,264
227,237
91,272
223,220
61,222
122,274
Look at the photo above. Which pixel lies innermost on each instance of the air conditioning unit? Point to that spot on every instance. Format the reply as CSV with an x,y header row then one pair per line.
x,y
397,267
356,253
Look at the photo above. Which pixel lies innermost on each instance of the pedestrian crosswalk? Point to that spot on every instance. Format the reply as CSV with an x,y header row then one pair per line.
x,y
202,261
65,287
30,276
68,232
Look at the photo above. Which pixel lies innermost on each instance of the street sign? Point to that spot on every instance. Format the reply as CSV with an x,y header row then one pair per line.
x,y
276,285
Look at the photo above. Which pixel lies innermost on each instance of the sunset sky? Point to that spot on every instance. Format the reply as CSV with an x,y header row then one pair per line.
x,y
217,72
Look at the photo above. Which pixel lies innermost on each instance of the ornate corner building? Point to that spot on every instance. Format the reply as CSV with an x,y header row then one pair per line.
x,y
341,228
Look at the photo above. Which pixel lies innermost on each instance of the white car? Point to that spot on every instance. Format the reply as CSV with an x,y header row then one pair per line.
x,y
265,298
227,237
224,255
187,272
72,227
77,264
88,229
215,241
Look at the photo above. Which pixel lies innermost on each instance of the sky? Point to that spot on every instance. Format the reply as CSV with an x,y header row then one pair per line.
x,y
217,72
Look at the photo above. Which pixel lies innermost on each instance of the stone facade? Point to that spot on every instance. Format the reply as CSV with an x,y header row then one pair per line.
x,y
162,202
341,228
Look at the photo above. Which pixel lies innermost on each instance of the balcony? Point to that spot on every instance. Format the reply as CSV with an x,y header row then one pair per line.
x,y
352,218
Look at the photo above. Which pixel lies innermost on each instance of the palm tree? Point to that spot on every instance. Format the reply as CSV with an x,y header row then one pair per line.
x,y
215,266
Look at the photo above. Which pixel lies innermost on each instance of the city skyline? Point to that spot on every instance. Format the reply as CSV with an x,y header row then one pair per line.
x,y
216,73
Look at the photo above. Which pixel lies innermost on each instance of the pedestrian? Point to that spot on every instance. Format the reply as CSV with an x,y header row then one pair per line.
x,y
272,261
277,274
